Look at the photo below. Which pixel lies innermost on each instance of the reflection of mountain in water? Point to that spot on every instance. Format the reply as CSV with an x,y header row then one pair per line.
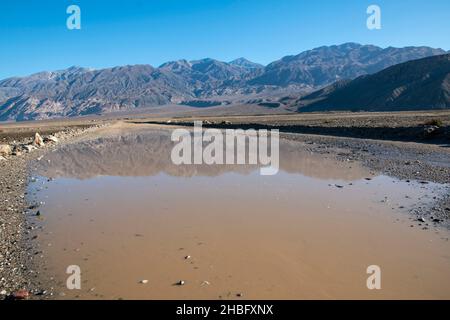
x,y
147,153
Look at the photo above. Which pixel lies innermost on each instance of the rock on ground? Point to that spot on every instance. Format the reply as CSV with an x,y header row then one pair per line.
x,y
38,141
5,150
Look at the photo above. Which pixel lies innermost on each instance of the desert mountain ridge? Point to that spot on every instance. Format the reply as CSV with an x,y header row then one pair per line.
x,y
81,91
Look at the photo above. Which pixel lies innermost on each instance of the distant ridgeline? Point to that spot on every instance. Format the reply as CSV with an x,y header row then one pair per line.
x,y
207,82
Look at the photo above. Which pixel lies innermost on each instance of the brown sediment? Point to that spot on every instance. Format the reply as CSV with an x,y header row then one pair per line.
x,y
309,232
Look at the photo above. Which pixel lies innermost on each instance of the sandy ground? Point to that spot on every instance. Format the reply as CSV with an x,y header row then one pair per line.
x,y
417,156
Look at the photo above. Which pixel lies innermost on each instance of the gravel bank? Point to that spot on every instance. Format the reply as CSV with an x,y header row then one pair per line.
x,y
19,275
405,161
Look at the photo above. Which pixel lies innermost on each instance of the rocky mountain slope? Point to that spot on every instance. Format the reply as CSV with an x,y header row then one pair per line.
x,y
413,85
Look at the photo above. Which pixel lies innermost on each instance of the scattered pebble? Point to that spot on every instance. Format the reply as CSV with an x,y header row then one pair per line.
x,y
21,295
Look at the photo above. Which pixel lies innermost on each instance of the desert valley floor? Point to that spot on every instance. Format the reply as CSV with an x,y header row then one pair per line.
x,y
102,198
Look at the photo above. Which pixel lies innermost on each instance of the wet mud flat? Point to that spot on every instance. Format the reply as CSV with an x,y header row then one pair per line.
x,y
140,227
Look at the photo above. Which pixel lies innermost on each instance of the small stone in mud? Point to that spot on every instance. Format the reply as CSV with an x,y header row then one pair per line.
x,y
421,219
180,283
368,179
38,213
41,293
51,139
239,295
338,186
21,295
143,281
187,257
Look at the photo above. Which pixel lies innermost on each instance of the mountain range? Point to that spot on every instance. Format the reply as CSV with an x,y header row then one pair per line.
x,y
80,91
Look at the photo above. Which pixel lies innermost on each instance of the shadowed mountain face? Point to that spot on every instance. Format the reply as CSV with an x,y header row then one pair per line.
x,y
79,91
419,84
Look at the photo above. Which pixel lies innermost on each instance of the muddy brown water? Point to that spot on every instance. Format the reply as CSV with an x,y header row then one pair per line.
x,y
120,210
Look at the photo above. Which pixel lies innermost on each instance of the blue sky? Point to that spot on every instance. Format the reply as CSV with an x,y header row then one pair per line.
x,y
34,36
